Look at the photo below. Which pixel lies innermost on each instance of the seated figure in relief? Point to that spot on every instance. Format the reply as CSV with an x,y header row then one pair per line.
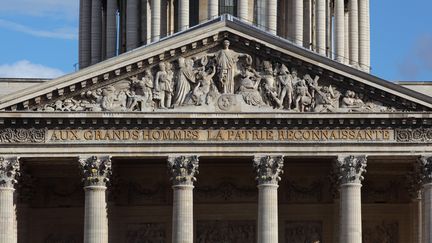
x,y
200,94
141,96
250,81
351,101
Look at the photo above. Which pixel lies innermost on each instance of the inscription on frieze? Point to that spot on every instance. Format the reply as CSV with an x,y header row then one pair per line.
x,y
136,135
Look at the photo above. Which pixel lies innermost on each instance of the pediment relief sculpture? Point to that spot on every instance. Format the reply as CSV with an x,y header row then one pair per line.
x,y
221,80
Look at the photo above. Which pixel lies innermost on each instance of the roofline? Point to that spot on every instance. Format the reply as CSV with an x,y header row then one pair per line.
x,y
236,24
222,23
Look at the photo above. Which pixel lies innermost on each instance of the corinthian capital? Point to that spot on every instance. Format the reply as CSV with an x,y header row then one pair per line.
x,y
425,164
9,171
183,169
351,168
268,169
96,170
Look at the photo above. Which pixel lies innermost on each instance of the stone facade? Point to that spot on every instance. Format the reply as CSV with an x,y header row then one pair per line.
x,y
222,133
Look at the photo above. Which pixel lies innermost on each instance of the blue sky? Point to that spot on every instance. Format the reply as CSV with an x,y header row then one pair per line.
x,y
39,38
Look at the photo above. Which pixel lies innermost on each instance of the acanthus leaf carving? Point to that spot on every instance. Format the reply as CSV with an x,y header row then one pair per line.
x,y
96,170
351,168
268,169
425,164
214,81
22,135
183,169
9,171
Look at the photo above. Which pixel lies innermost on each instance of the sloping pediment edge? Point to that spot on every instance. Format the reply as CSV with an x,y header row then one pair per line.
x,y
244,39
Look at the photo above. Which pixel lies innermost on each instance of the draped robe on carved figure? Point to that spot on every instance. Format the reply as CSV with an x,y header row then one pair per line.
x,y
185,76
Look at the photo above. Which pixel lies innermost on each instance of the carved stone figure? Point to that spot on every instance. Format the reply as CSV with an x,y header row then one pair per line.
x,y
351,101
326,99
250,80
217,83
162,90
270,91
200,94
226,61
185,77
381,232
303,97
285,86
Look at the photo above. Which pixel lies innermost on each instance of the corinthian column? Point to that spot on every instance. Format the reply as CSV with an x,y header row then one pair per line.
x,y
132,37
96,31
183,170
155,20
268,169
426,179
213,8
96,171
414,189
272,16
298,22
243,10
9,171
353,32
351,169
183,14
321,27
339,23
111,29
364,35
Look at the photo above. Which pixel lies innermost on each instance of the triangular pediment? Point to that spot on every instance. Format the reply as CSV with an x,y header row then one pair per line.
x,y
196,71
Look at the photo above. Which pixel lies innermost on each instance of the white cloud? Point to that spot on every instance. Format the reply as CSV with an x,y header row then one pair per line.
x,y
69,33
65,9
26,69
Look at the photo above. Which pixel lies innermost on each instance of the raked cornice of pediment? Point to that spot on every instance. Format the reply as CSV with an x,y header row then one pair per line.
x,y
223,65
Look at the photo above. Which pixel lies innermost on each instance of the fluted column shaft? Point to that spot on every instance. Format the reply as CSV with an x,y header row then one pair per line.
x,y
183,170
268,169
96,171
353,32
213,8
307,24
425,164
111,28
132,36
7,215
9,170
427,213
85,34
298,22
271,16
96,31
339,23
243,10
321,27
351,169
346,41
155,19
364,34
183,14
